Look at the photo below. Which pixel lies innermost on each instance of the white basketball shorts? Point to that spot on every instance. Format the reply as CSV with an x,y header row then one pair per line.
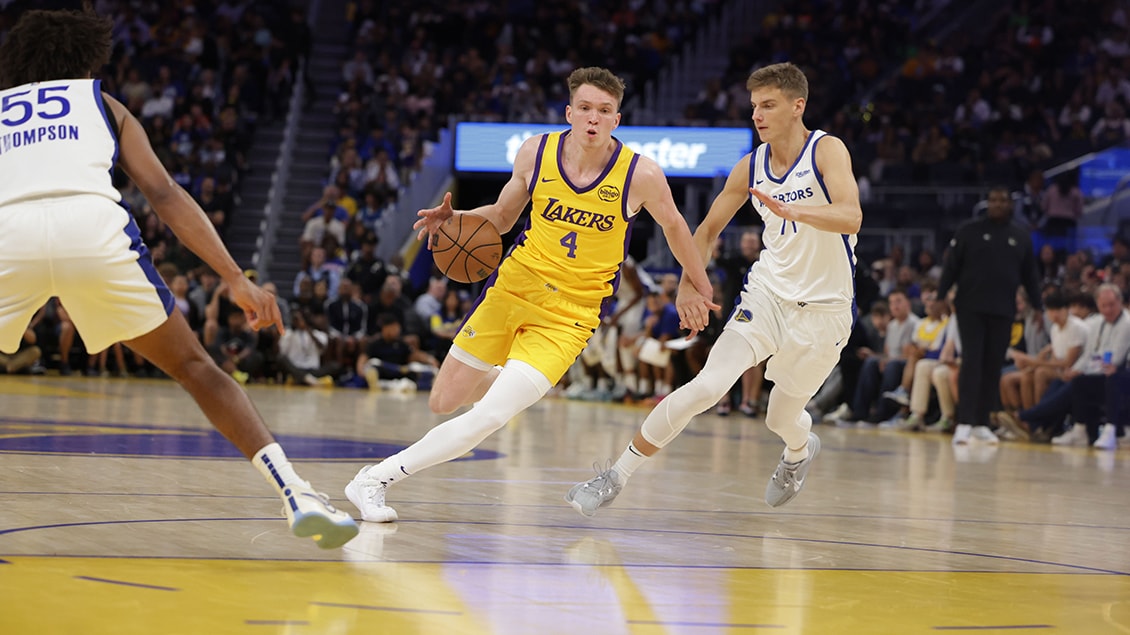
x,y
803,342
87,251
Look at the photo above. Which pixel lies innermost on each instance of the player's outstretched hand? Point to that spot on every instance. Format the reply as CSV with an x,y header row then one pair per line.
x,y
784,210
694,309
260,306
431,219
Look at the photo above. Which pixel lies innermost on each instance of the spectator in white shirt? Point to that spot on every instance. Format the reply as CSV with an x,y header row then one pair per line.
x,y
301,354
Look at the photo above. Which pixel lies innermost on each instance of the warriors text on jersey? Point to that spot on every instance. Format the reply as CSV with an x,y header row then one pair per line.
x,y
577,236
801,263
62,124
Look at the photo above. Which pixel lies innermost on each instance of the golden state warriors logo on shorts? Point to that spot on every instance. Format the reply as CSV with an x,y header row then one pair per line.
x,y
608,193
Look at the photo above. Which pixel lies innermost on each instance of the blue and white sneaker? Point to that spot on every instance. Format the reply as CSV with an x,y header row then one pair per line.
x,y
311,515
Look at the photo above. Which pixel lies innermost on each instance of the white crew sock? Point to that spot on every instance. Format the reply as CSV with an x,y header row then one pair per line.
x,y
629,462
272,463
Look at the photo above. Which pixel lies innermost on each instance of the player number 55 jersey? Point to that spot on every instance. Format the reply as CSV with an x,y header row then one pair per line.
x,y
55,141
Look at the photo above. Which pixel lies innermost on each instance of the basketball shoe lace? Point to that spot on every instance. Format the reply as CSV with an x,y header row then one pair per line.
x,y
368,495
596,492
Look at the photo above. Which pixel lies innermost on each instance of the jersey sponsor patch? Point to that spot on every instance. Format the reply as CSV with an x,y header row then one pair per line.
x,y
608,193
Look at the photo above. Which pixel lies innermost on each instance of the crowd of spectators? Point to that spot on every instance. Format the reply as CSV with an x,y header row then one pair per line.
x,y
899,369
411,67
200,77
1048,83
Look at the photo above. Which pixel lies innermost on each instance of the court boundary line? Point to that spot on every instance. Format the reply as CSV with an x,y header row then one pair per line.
x,y
949,552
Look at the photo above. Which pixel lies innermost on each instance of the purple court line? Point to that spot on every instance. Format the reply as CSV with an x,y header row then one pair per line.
x,y
657,510
1081,568
788,539
385,608
152,457
132,584
661,510
733,436
136,494
1014,627
705,624
276,622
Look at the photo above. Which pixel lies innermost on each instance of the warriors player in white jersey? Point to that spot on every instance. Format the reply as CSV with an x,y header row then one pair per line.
x,y
797,303
64,232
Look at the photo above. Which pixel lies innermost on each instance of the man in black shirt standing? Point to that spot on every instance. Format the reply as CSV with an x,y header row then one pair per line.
x,y
988,259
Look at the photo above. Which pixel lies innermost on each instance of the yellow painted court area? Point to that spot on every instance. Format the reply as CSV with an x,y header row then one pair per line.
x,y
122,514
91,595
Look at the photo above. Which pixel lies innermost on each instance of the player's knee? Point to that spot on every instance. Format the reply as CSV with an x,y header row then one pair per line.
x,y
441,403
192,370
702,392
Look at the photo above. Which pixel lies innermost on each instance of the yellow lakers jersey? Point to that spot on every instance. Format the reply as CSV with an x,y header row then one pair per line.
x,y
577,236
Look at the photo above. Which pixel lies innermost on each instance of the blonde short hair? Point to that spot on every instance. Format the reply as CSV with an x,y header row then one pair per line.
x,y
786,76
601,78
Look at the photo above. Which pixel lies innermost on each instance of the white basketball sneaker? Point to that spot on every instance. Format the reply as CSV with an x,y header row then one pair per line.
x,y
962,433
596,492
788,478
982,434
1077,435
368,494
311,515
1108,438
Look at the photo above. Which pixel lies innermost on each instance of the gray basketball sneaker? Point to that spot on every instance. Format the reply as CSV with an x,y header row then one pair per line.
x,y
788,478
596,492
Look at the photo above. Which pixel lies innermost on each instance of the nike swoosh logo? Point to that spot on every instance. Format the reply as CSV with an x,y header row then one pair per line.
x,y
838,342
545,180
759,182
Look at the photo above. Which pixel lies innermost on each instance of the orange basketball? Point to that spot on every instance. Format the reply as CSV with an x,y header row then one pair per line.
x,y
467,248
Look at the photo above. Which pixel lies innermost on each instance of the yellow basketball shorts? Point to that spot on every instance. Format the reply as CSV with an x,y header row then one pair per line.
x,y
528,319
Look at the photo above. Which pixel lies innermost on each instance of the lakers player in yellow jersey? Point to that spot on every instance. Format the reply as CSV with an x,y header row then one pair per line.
x,y
541,306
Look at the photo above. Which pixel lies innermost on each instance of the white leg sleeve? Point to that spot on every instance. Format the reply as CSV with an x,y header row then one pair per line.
x,y
787,417
728,359
518,387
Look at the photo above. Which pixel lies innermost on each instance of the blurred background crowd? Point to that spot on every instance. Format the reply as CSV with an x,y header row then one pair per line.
x,y
927,94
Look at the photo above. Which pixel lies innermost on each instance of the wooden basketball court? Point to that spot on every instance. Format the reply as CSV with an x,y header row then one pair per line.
x,y
123,512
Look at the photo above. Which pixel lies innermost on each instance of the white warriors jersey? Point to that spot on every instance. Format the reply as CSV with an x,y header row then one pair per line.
x,y
55,141
800,263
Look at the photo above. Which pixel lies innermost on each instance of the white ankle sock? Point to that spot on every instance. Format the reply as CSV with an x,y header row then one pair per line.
x,y
629,462
796,456
272,463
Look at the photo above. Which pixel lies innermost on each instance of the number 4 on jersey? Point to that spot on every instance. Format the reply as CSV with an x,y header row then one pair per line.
x,y
569,241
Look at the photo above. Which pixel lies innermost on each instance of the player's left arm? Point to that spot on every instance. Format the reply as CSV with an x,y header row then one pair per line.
x,y
650,190
843,215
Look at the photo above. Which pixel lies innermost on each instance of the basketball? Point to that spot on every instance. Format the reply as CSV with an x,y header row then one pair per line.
x,y
467,248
